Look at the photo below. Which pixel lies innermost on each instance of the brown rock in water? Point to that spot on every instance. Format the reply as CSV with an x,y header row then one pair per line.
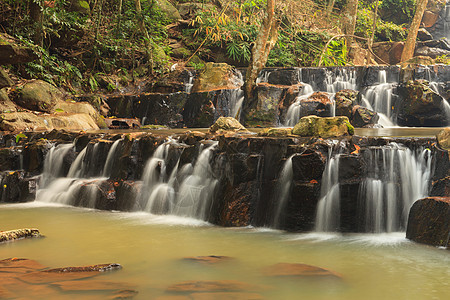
x,y
217,76
18,234
225,296
318,104
211,259
298,270
201,286
19,265
227,124
429,221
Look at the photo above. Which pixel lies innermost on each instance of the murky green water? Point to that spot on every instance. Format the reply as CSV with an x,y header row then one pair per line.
x,y
150,248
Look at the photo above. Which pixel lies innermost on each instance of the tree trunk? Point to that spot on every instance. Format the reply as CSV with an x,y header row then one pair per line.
x,y
350,13
37,16
410,44
330,7
141,24
265,41
374,25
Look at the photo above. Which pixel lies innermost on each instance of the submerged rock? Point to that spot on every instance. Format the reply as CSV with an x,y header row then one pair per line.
x,y
227,124
19,234
323,127
298,270
211,259
429,221
202,286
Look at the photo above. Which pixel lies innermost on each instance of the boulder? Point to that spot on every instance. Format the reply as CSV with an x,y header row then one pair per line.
x,y
429,221
424,35
13,53
80,108
285,76
318,104
15,187
344,101
188,10
420,106
80,6
5,81
429,18
39,96
323,127
216,76
227,124
25,121
388,52
276,132
431,52
443,138
167,8
363,117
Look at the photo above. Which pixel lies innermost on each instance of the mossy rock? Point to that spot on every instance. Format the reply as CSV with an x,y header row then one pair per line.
x,y
323,127
39,96
80,6
227,124
275,132
170,10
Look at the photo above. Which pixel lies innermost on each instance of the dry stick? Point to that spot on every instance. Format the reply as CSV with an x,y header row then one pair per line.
x,y
340,36
201,45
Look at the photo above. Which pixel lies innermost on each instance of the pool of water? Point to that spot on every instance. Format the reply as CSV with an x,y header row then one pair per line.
x,y
150,249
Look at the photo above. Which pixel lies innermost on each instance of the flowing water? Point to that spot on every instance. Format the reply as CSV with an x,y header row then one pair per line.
x,y
150,248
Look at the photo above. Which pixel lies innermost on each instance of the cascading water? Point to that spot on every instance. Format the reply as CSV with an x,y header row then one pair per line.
x,y
396,178
53,163
379,98
345,79
328,207
188,85
294,110
282,191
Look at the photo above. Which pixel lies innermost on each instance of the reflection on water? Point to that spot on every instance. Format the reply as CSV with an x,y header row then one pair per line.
x,y
150,249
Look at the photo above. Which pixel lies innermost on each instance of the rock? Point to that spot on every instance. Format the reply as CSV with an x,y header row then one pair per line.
x,y
80,6
420,106
25,121
429,19
429,221
227,124
80,108
345,100
424,35
431,52
15,187
167,8
388,52
443,138
18,234
188,10
298,270
210,286
285,76
413,62
275,132
5,81
211,259
6,105
323,127
124,123
19,265
13,53
91,285
318,104
39,95
363,117
216,76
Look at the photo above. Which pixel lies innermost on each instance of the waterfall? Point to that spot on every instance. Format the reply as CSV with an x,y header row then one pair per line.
x,y
236,100
110,159
188,86
53,163
282,191
294,110
447,21
328,207
379,98
344,80
396,178
263,76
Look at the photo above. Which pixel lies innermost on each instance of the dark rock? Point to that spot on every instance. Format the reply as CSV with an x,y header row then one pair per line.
x,y
199,110
429,221
15,187
431,52
345,100
298,270
285,76
424,35
13,53
420,106
5,80
440,187
363,117
308,165
318,104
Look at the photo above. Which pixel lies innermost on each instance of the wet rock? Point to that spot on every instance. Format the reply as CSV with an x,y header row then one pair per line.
x,y
309,165
227,124
318,104
345,100
420,106
16,187
300,211
323,127
275,132
443,138
13,53
211,259
440,187
39,95
285,76
18,234
34,154
424,35
91,285
363,117
429,221
298,270
211,286
9,158
199,110
216,76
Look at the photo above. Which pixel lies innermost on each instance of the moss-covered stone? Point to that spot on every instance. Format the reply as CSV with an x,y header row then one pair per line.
x,y
39,95
323,127
276,132
227,124
216,76
167,8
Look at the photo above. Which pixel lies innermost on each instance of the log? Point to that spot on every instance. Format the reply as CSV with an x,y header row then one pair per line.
x,y
18,234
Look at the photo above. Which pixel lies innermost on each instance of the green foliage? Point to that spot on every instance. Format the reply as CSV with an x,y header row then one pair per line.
x,y
398,11
20,136
385,31
335,54
443,59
